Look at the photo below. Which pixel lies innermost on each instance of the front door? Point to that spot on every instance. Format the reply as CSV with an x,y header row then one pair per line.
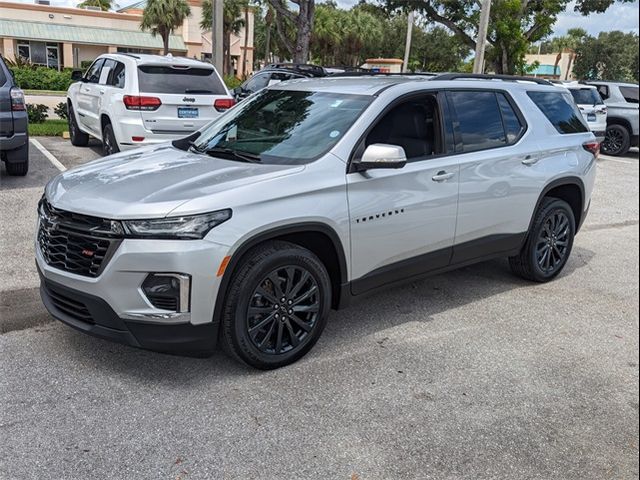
x,y
88,93
403,221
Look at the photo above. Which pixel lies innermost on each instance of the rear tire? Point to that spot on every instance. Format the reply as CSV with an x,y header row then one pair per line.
x,y
109,143
549,242
17,161
617,140
78,138
277,305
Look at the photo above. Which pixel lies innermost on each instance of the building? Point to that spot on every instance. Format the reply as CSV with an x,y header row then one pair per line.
x,y
384,65
65,37
553,66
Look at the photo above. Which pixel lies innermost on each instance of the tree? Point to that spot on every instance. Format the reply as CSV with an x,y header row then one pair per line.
x,y
610,56
162,17
104,5
232,23
302,21
513,26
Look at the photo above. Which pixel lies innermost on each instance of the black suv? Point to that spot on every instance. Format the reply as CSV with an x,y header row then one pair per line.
x,y
14,123
275,73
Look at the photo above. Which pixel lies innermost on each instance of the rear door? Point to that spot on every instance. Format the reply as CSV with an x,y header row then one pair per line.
x,y
497,188
188,96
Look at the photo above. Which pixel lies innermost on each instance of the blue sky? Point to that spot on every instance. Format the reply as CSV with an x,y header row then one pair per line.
x,y
619,17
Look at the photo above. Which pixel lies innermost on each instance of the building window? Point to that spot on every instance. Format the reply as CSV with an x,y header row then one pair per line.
x,y
40,53
53,57
24,51
135,50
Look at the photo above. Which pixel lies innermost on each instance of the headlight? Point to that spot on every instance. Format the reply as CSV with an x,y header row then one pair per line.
x,y
187,227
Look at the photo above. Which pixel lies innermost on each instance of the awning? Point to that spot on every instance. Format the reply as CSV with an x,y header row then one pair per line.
x,y
52,32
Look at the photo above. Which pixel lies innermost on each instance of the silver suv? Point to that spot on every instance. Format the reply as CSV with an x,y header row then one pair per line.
x,y
622,120
305,195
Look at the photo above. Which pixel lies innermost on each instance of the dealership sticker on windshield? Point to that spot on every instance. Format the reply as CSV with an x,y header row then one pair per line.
x,y
337,103
334,134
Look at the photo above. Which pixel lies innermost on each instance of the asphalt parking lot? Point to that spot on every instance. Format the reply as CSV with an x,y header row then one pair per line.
x,y
473,374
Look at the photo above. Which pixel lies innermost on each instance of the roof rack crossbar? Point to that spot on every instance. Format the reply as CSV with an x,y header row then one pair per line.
x,y
485,76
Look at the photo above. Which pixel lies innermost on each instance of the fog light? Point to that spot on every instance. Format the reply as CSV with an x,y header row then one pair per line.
x,y
168,291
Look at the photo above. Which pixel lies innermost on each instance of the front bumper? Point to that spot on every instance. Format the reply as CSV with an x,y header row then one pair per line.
x,y
117,308
94,316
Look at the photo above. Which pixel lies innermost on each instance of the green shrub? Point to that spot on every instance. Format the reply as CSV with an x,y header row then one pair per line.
x,y
84,64
37,112
42,78
61,110
231,81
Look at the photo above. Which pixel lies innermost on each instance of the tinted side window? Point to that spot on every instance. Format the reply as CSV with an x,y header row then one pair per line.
x,y
603,90
258,82
512,125
93,74
105,73
630,94
3,78
116,78
479,118
561,111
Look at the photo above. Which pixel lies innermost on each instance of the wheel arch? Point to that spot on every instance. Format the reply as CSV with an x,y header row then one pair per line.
x,y
319,238
569,189
623,122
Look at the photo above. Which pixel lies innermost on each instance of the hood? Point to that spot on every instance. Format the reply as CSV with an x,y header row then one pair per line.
x,y
151,182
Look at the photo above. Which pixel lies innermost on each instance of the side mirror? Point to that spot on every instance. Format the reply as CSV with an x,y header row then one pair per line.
x,y
381,155
238,92
76,75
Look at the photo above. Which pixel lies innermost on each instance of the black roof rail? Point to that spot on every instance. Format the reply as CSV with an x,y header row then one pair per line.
x,y
372,73
128,55
300,67
486,76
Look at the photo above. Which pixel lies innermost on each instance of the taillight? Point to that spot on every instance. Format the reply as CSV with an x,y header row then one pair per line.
x,y
147,104
223,104
17,100
592,147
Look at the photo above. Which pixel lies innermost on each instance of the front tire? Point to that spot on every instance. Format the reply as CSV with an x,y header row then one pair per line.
x,y
277,305
548,244
77,137
617,140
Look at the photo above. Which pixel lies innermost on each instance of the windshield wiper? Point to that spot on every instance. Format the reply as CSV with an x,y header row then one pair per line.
x,y
235,154
195,90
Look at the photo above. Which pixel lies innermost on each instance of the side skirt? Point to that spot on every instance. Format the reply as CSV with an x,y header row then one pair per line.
x,y
433,263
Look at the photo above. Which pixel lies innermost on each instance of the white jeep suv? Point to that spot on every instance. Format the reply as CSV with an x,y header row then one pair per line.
x,y
307,194
128,100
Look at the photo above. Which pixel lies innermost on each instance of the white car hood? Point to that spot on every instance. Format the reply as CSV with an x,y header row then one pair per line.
x,y
151,182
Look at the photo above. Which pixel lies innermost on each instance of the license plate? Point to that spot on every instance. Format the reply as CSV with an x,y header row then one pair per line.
x,y
591,117
187,112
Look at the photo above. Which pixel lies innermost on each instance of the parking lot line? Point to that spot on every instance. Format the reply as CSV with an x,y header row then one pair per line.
x,y
609,159
49,155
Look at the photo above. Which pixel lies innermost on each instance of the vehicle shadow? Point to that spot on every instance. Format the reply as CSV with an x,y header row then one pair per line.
x,y
415,301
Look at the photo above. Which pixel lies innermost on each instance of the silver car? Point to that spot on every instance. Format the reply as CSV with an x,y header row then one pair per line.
x,y
306,195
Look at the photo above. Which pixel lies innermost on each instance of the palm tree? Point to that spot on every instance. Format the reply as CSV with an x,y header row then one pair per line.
x,y
104,5
162,17
232,24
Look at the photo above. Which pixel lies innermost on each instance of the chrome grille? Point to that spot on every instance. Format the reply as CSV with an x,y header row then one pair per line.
x,y
76,243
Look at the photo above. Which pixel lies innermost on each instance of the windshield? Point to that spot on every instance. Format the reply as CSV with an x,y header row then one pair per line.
x,y
283,127
586,96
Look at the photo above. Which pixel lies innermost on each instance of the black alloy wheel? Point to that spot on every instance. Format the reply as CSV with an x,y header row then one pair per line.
x,y
109,143
276,305
283,310
548,244
616,140
553,242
